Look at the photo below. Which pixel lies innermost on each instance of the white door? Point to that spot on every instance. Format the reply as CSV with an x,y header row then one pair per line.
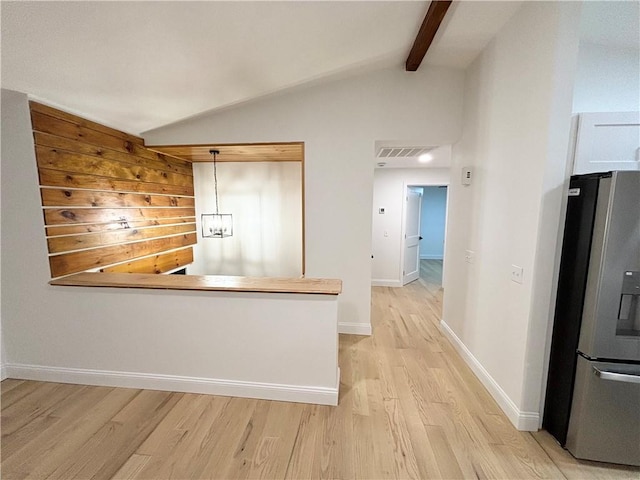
x,y
411,267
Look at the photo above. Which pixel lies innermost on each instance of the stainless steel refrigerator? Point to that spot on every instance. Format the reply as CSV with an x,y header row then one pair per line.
x,y
593,391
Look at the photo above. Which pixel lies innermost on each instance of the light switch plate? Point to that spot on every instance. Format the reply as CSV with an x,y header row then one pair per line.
x,y
469,256
517,274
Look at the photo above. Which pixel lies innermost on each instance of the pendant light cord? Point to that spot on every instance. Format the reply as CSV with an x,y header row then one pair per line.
x,y
215,178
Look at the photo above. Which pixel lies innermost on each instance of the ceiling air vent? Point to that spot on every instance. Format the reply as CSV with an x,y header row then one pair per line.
x,y
401,152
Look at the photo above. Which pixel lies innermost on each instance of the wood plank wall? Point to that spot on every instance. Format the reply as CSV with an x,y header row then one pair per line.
x,y
108,202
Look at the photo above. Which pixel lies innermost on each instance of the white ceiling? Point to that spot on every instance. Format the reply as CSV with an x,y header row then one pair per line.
x,y
466,30
615,24
141,65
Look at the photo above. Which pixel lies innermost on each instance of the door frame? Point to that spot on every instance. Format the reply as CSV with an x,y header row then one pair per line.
x,y
403,228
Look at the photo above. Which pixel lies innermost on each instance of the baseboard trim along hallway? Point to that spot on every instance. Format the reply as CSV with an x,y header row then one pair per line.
x,y
174,383
386,283
525,421
350,328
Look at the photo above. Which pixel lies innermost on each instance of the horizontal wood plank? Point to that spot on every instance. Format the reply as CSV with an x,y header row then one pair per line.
x,y
323,286
57,178
53,197
63,128
83,122
156,264
71,162
106,198
157,160
68,263
239,152
93,240
60,216
57,230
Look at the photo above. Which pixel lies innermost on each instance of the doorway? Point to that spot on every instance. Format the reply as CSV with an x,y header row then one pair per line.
x,y
424,235
388,227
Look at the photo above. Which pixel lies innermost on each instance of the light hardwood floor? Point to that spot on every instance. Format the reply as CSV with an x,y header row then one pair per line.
x,y
431,275
409,408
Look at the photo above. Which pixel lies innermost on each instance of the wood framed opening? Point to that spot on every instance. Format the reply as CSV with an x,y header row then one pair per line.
x,y
241,155
112,204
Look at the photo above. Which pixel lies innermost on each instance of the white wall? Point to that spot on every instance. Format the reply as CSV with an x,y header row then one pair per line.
x,y
607,79
339,123
433,216
267,345
389,193
2,350
265,199
516,133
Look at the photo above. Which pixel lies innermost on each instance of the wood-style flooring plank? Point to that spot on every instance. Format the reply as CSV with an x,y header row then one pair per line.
x,y
274,451
119,438
37,404
230,430
192,445
423,449
18,392
431,275
406,464
132,468
573,468
240,463
445,458
78,398
9,384
47,452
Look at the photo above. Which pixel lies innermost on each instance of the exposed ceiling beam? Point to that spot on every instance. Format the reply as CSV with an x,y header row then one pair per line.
x,y
428,29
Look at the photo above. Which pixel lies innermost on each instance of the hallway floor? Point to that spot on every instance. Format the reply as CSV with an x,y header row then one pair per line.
x,y
409,408
431,274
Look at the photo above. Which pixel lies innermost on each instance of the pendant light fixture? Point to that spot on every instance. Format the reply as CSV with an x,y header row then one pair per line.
x,y
216,225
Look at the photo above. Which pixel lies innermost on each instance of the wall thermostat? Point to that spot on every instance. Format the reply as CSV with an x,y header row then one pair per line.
x,y
467,174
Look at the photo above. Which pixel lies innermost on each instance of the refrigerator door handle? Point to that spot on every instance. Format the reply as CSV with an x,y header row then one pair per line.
x,y
616,377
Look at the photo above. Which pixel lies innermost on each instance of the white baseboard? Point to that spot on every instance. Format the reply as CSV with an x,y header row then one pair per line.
x,y
173,383
525,421
354,328
431,257
386,283
3,372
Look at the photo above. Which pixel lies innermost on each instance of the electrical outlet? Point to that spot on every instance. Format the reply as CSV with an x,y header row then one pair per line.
x,y
469,256
517,274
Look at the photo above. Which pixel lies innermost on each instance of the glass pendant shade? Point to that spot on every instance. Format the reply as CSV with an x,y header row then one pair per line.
x,y
217,225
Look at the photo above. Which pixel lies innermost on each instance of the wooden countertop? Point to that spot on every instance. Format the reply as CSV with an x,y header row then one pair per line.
x,y
217,283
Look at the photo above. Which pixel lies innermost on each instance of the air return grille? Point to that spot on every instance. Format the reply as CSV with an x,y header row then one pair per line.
x,y
400,152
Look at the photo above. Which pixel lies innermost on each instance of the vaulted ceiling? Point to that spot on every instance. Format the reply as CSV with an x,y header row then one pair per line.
x,y
141,65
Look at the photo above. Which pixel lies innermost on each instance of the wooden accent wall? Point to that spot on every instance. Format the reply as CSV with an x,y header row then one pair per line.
x,y
110,203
